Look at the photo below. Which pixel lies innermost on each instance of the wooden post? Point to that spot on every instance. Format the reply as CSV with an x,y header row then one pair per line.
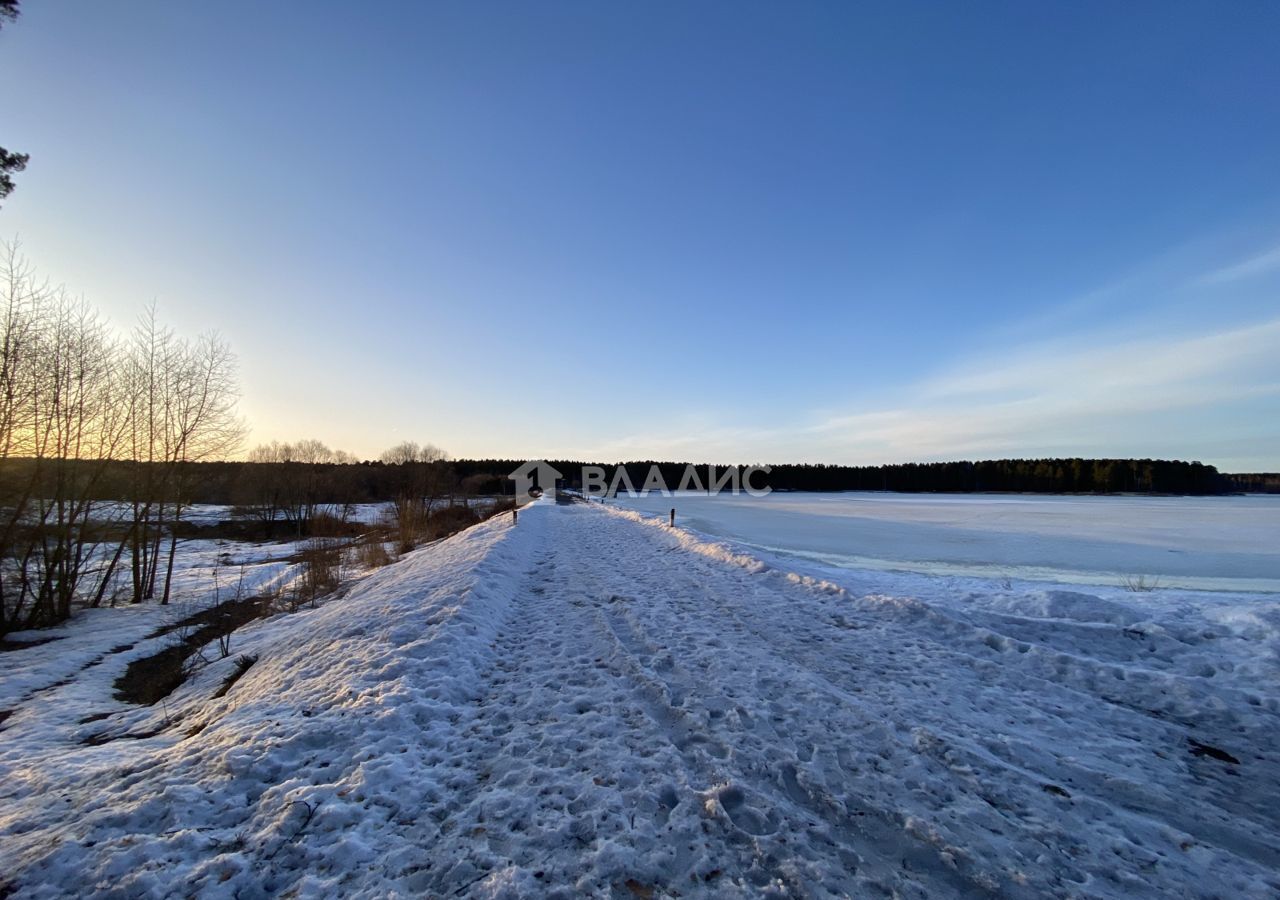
x,y
515,514
673,517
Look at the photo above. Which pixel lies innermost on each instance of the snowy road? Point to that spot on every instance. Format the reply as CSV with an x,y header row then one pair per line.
x,y
587,704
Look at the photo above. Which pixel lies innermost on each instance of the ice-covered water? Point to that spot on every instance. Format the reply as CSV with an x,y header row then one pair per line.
x,y
1205,543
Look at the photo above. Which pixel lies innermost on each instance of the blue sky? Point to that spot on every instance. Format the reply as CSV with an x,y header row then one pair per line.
x,y
769,232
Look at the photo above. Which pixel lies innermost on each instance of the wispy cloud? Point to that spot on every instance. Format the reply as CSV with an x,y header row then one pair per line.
x,y
1252,267
1158,368
1093,396
1120,397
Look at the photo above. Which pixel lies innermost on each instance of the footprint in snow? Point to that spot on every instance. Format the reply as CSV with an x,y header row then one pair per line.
x,y
733,800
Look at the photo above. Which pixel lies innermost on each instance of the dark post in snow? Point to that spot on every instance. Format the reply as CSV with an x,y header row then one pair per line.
x,y
515,514
673,517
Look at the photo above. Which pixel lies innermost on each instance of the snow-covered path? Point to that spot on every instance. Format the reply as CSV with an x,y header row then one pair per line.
x,y
636,724
589,704
834,740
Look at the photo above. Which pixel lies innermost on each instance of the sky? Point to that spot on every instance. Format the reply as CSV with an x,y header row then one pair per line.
x,y
728,232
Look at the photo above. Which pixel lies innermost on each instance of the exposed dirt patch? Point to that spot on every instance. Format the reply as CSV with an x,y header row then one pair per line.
x,y
7,644
106,737
152,678
215,617
242,665
1199,749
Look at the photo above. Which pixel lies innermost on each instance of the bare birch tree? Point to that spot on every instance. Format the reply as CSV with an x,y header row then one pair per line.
x,y
60,426
74,402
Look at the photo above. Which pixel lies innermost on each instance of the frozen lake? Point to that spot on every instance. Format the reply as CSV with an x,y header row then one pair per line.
x,y
1204,543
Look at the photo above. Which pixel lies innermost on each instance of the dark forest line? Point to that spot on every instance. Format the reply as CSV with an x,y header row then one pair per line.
x,y
1255,482
239,483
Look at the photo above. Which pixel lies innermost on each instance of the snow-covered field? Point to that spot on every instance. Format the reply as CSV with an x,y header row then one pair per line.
x,y
1207,543
588,703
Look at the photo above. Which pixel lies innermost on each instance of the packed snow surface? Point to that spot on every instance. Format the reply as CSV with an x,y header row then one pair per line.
x,y
589,703
1207,543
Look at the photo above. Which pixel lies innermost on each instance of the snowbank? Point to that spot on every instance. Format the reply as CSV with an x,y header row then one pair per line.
x,y
332,733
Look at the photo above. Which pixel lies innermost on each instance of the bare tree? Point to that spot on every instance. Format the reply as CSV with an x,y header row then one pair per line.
x,y
23,301
74,402
424,477
412,452
182,397
80,431
201,422
60,425
292,480
148,358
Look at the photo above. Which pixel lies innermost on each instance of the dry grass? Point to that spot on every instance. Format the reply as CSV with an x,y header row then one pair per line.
x,y
321,562
1140,584
371,552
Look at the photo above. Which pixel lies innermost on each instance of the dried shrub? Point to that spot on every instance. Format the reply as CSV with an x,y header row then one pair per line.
x,y
371,553
451,520
321,562
1140,584
407,520
243,662
327,525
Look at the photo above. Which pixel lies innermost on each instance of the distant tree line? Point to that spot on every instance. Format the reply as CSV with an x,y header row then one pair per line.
x,y
291,483
1255,482
1067,476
